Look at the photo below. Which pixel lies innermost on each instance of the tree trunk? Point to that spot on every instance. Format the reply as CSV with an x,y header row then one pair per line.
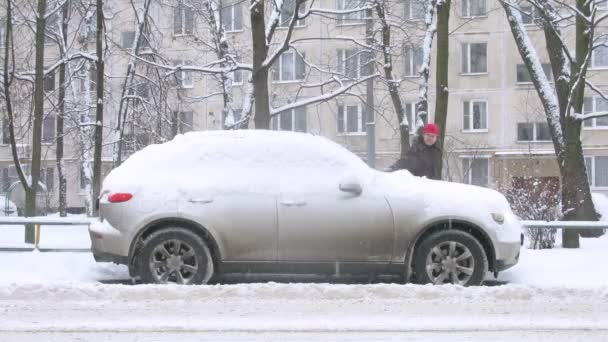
x,y
393,86
260,73
577,204
30,195
99,108
430,27
59,152
441,70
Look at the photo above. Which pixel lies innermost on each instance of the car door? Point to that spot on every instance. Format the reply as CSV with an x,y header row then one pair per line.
x,y
243,223
330,225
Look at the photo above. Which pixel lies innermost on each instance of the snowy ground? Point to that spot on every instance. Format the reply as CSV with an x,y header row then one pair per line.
x,y
559,294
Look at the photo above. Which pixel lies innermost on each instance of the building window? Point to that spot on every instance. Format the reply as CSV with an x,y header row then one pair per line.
x,y
529,15
411,113
476,171
6,135
473,8
48,129
289,66
51,28
289,7
599,56
185,123
91,80
523,76
83,177
356,17
47,176
183,20
236,118
351,119
414,9
601,4
533,131
353,63
593,105
413,61
597,171
475,115
474,58
290,120
49,82
182,78
128,38
232,15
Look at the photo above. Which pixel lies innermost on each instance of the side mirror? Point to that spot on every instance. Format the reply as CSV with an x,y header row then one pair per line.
x,y
351,187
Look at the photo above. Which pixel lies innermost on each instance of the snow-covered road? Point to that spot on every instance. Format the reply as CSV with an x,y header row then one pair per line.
x,y
257,311
551,295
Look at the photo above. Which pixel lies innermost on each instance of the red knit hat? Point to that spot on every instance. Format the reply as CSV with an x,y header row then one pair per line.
x,y
431,128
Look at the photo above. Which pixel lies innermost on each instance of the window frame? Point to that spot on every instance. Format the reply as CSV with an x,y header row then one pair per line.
x,y
278,70
593,126
591,177
412,115
299,22
410,60
293,112
43,137
179,81
409,10
593,66
183,18
471,116
468,178
535,131
361,129
468,7
342,19
233,6
468,72
543,65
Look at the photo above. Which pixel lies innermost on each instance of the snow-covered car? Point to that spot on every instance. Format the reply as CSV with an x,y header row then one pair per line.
x,y
209,203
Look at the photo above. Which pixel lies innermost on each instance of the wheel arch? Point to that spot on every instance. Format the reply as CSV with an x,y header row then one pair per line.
x,y
462,225
161,224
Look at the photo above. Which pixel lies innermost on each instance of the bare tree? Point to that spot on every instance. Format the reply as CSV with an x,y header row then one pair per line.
x,y
563,106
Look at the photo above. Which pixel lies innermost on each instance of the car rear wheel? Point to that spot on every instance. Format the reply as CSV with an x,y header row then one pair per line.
x,y
450,257
175,256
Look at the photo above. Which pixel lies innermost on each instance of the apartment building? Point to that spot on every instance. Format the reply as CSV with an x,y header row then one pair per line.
x,y
496,132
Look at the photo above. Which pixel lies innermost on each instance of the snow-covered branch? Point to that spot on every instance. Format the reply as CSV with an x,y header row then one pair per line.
x,y
323,97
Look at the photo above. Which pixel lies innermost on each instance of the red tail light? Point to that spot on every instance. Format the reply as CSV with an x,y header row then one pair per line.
x,y
119,197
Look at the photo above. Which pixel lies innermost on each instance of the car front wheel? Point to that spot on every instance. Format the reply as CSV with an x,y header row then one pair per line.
x,y
175,256
450,257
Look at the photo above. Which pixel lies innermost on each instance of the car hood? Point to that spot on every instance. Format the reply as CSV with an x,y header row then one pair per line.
x,y
441,199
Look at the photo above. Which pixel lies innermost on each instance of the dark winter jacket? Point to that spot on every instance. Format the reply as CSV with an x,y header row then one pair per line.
x,y
421,160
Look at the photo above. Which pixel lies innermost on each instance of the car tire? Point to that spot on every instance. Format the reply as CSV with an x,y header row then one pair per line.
x,y
450,257
175,255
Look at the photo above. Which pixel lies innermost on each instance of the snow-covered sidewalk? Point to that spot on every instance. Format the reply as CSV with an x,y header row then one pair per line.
x,y
559,294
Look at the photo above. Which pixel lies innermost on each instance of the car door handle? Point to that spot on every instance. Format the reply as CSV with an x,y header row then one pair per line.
x,y
200,200
293,203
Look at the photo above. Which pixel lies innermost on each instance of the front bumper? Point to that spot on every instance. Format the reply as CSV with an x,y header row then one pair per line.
x,y
108,243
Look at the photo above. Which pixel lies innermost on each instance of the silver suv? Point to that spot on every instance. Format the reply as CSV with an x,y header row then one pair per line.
x,y
208,203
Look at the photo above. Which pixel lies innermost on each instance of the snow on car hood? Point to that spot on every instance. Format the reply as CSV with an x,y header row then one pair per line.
x,y
440,198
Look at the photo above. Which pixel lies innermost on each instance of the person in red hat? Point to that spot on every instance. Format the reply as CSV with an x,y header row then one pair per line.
x,y
424,156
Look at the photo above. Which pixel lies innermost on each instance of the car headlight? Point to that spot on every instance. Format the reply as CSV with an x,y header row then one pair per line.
x,y
498,218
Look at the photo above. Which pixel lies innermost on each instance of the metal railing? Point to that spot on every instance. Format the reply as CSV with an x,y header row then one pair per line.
x,y
40,221
566,224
